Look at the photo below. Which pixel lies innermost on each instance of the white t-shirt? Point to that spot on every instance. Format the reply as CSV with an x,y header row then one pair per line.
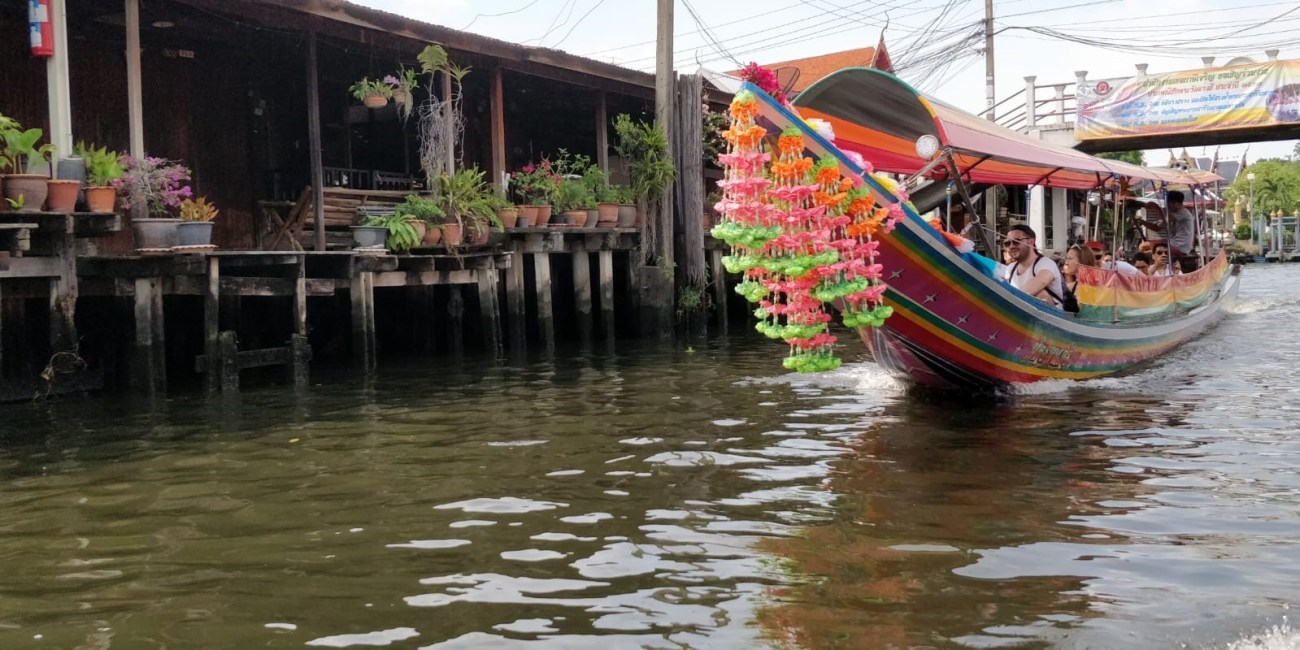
x,y
1183,225
1019,280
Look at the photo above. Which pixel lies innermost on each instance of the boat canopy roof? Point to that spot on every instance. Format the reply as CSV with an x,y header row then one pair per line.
x,y
881,117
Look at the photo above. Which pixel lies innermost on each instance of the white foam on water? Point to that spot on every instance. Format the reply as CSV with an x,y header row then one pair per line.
x,y
380,638
1278,637
501,505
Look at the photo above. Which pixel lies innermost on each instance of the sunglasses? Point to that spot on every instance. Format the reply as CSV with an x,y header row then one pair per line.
x,y
1007,243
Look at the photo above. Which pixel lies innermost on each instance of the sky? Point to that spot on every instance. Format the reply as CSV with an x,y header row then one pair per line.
x,y
938,44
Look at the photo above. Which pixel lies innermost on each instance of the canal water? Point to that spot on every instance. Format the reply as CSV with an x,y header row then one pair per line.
x,y
671,497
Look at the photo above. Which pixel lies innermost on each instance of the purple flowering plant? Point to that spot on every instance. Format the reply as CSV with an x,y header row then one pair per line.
x,y
157,183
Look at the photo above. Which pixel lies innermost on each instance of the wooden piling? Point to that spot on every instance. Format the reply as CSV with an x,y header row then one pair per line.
x,y
456,319
545,307
516,306
148,365
489,310
63,290
605,277
363,319
300,360
720,293
227,364
212,324
582,294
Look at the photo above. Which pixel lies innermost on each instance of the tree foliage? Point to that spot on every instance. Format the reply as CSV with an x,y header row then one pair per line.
x,y
1277,186
1134,157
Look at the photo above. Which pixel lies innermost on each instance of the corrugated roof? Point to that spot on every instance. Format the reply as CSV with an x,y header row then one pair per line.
x,y
815,67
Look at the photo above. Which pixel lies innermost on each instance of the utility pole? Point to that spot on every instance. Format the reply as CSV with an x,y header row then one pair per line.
x,y
988,59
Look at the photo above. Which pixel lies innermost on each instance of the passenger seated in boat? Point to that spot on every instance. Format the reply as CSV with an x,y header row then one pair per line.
x,y
1109,262
1029,271
1074,257
1142,262
1160,261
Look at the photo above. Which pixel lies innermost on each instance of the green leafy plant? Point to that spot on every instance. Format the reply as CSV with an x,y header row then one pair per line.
x,y
19,149
536,184
644,148
1243,231
422,208
102,166
368,87
573,195
403,235
18,203
467,199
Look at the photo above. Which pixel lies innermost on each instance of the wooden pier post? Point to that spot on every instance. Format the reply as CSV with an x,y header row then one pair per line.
x,y
63,291
227,363
212,324
720,292
363,319
582,294
456,319
299,348
605,272
148,370
516,306
489,310
545,308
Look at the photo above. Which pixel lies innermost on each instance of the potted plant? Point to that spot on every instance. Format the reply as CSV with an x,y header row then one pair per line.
x,y
374,93
535,187
468,200
102,168
506,211
424,210
154,186
398,232
644,148
195,228
627,211
403,85
572,200
18,153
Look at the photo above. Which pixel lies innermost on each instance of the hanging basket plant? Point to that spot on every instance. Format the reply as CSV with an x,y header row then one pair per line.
x,y
374,93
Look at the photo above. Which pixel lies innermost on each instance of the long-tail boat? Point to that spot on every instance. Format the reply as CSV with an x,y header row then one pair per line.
x,y
954,324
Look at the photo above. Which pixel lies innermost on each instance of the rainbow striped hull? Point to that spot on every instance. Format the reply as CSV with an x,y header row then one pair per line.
x,y
954,326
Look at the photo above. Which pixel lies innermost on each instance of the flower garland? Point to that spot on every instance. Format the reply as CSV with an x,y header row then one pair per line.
x,y
802,235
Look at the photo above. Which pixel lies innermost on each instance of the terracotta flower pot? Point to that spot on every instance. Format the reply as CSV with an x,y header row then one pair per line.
x,y
62,195
432,236
101,199
528,212
575,217
509,217
32,188
543,214
375,101
607,212
452,234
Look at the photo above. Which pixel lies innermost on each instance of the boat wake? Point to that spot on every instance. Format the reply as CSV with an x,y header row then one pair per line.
x,y
1280,637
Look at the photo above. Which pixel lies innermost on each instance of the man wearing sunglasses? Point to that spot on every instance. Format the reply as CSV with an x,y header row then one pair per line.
x,y
1029,271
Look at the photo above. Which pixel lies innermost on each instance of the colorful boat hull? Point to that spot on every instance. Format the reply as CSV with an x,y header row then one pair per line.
x,y
956,326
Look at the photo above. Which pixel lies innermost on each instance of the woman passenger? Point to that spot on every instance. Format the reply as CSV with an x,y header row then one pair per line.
x,y
1074,257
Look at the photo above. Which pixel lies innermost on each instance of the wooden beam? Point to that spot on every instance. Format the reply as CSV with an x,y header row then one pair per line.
x,y
497,101
134,86
314,143
602,131
545,308
690,177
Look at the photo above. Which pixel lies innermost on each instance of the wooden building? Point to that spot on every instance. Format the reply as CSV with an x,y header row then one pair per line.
x,y
241,91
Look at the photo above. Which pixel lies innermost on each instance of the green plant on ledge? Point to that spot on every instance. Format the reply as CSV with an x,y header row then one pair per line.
x,y
102,166
422,208
402,233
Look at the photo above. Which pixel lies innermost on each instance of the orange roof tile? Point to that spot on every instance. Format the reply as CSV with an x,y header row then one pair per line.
x,y
815,67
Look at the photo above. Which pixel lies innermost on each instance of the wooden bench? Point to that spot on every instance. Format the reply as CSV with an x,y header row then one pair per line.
x,y
295,230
